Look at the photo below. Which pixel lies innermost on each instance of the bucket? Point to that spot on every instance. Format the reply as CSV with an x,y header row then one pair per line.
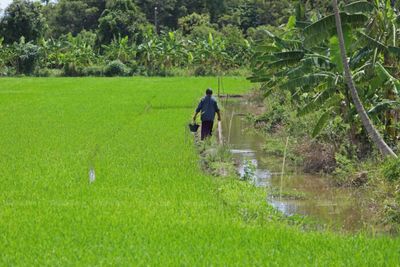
x,y
193,127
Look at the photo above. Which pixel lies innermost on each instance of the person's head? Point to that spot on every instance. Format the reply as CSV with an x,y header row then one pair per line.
x,y
209,91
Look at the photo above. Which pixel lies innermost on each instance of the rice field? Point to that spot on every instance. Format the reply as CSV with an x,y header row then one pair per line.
x,y
102,171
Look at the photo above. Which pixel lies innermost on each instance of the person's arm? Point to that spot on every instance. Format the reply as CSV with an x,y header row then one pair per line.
x,y
195,116
198,109
219,115
217,111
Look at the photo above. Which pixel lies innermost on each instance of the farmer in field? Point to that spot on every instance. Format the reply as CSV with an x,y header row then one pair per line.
x,y
208,106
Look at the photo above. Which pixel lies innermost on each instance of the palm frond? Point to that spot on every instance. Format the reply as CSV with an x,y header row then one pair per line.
x,y
318,101
371,42
383,106
359,57
383,72
394,51
296,54
323,120
324,28
359,7
308,80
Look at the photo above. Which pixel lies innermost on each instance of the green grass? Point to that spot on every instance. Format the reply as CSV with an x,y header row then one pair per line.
x,y
150,203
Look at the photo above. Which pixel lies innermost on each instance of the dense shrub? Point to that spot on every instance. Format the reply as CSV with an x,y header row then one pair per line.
x,y
203,71
116,68
93,71
274,119
26,56
133,66
7,71
46,72
71,69
189,22
391,170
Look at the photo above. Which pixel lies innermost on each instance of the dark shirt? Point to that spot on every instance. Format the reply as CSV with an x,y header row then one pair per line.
x,y
208,107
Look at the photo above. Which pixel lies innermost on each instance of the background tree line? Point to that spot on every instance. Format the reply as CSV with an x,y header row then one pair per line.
x,y
122,37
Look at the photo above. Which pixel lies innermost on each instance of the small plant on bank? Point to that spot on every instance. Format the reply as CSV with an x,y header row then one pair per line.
x,y
249,170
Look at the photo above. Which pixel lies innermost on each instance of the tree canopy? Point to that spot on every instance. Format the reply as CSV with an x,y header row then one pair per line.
x,y
22,18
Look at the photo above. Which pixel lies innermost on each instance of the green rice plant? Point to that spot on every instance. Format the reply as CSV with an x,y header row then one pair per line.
x,y
150,203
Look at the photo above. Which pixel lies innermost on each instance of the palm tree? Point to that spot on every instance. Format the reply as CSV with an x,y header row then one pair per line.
x,y
369,127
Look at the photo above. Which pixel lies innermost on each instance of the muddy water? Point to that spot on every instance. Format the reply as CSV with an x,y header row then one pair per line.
x,y
314,196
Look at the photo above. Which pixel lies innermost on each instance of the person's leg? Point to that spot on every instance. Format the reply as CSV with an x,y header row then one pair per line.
x,y
206,128
211,127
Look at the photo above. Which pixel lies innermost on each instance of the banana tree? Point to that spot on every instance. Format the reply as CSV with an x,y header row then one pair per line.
x,y
380,38
120,48
147,51
76,52
211,52
172,50
308,63
373,133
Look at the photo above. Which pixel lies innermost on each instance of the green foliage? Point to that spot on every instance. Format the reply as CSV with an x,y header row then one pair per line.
x,y
116,68
391,170
275,118
253,13
76,53
93,71
67,16
45,72
249,170
325,27
202,71
189,22
120,49
26,56
82,33
344,168
22,18
323,120
311,70
120,18
359,7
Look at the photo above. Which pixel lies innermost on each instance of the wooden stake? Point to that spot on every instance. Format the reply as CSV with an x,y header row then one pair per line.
x,y
220,132
283,168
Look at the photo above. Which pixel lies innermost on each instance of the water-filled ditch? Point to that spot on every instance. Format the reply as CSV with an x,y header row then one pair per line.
x,y
295,192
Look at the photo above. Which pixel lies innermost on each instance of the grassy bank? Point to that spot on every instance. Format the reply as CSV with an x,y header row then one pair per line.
x,y
150,204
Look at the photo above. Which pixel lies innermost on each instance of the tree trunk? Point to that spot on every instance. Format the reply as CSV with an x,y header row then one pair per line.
x,y
369,127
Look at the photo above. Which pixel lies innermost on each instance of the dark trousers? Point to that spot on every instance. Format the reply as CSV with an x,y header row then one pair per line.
x,y
206,129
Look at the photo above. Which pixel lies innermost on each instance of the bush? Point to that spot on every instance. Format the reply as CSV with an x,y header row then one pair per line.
x,y
27,55
93,71
202,71
45,72
116,68
344,169
189,22
133,66
274,119
72,70
391,170
7,71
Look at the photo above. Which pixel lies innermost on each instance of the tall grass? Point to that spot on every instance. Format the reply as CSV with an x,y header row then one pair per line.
x,y
150,204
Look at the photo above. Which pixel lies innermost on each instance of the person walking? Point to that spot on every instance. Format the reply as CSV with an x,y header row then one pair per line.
x,y
208,106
